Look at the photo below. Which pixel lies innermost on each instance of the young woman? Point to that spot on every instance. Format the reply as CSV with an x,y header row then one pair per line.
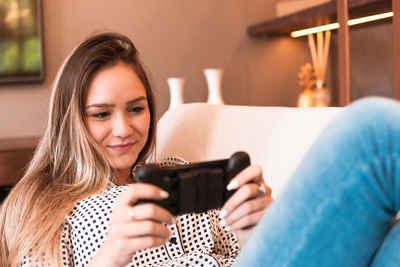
x,y
75,205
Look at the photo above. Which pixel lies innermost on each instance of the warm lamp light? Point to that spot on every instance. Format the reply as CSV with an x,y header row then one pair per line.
x,y
370,18
334,26
313,30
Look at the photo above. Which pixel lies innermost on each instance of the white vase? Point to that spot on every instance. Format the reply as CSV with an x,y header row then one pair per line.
x,y
214,79
176,91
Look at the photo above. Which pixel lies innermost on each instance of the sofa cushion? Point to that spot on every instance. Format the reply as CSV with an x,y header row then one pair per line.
x,y
275,137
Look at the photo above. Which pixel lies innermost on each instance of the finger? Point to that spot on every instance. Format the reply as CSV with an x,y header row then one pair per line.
x,y
247,208
138,191
247,191
144,228
252,173
151,211
247,221
266,189
136,229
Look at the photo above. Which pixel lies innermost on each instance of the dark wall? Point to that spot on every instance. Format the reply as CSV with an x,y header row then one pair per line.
x,y
371,50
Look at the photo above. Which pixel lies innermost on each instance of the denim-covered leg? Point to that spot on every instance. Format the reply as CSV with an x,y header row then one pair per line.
x,y
388,254
337,206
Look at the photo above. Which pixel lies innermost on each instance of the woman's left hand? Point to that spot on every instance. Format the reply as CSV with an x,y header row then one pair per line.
x,y
247,205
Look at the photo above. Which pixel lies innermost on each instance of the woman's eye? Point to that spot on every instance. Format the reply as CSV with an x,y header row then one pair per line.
x,y
136,109
100,115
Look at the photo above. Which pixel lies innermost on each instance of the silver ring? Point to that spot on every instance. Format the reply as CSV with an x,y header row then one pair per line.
x,y
261,190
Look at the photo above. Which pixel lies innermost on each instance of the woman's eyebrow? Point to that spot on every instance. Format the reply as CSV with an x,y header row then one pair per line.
x,y
138,99
105,105
100,105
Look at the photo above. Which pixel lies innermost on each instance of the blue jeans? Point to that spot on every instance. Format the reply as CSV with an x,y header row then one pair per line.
x,y
338,206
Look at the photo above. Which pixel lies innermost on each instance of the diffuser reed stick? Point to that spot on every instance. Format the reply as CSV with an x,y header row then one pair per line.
x,y
319,53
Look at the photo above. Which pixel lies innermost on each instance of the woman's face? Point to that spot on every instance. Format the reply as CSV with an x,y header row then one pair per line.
x,y
117,115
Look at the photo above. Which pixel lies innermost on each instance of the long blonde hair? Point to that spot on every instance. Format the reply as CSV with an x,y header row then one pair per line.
x,y
67,165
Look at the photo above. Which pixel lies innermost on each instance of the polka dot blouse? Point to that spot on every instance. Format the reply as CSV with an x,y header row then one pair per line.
x,y
197,239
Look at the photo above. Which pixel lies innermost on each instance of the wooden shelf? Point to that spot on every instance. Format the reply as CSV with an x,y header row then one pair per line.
x,y
317,16
327,13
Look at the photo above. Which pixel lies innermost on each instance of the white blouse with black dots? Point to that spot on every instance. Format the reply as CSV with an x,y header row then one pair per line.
x,y
197,239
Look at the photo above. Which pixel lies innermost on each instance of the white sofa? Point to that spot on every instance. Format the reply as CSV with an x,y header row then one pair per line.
x,y
275,137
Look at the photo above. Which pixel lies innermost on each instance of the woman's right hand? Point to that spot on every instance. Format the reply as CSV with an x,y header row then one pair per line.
x,y
134,227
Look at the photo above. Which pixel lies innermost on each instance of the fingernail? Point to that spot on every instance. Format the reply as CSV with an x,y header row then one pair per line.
x,y
232,185
222,223
222,213
164,194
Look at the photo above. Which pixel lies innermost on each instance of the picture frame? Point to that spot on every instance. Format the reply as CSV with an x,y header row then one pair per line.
x,y
21,42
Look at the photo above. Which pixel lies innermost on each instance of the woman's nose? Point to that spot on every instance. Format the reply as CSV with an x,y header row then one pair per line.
x,y
122,127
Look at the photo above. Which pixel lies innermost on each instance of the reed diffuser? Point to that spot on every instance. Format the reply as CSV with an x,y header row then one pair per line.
x,y
319,54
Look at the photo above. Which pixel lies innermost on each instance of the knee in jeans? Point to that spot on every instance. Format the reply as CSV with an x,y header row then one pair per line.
x,y
374,111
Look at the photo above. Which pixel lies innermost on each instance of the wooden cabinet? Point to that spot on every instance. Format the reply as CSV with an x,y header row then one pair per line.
x,y
338,11
15,154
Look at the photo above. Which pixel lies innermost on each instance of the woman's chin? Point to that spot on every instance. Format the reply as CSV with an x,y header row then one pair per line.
x,y
124,167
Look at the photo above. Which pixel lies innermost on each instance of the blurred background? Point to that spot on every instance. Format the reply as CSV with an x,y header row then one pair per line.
x,y
181,38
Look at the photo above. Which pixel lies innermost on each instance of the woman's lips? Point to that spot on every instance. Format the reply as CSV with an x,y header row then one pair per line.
x,y
122,147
